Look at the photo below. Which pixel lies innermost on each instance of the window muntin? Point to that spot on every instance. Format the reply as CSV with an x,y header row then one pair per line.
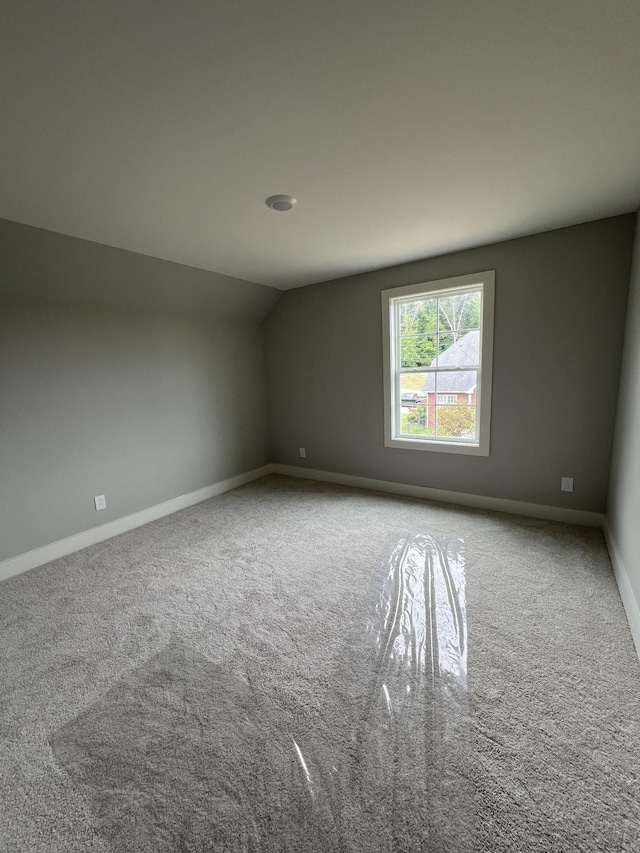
x,y
438,340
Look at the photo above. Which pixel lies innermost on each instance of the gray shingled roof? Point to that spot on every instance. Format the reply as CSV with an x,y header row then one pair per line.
x,y
466,350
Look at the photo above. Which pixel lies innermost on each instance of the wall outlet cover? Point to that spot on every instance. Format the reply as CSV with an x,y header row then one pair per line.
x,y
100,501
303,452
567,484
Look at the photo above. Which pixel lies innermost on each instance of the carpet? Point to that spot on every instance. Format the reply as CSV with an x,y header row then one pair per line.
x,y
296,666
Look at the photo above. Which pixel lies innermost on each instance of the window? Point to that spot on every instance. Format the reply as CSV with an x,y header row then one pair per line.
x,y
438,350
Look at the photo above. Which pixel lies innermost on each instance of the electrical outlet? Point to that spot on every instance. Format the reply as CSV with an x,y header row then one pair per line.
x,y
303,452
100,501
567,484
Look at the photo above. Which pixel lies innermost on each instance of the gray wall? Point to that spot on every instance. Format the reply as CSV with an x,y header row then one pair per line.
x,y
560,306
623,508
99,395
143,380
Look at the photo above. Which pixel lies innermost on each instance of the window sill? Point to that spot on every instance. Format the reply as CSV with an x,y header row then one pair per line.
x,y
438,446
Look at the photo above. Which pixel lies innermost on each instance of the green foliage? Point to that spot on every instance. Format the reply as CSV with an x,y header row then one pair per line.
x,y
418,318
415,422
457,314
456,421
430,326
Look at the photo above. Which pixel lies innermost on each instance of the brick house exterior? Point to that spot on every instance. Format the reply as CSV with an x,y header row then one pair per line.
x,y
456,388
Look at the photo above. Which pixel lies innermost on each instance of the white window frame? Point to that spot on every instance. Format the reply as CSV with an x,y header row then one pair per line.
x,y
447,399
391,299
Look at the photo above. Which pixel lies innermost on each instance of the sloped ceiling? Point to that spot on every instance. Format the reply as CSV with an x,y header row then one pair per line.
x,y
404,129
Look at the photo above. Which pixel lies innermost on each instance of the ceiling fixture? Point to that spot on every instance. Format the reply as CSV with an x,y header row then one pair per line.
x,y
281,203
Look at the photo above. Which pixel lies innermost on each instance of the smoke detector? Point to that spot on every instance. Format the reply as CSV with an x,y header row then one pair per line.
x,y
281,203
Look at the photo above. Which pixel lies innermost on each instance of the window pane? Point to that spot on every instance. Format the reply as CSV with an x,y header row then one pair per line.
x,y
452,408
413,397
462,383
414,421
417,351
459,350
445,342
412,388
419,317
459,312
457,421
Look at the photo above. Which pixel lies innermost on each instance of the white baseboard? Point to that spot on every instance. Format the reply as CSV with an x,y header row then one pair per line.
x,y
39,556
629,600
552,513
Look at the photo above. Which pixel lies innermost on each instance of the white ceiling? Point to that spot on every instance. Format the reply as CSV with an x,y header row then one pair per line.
x,y
405,129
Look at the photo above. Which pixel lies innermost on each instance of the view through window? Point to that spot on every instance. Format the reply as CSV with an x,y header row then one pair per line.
x,y
438,363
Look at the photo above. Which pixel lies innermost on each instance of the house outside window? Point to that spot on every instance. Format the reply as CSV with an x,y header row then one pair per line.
x,y
438,349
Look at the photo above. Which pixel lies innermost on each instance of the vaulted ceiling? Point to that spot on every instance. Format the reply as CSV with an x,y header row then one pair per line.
x,y
404,129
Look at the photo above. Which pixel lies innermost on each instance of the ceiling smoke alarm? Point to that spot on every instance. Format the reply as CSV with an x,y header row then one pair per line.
x,y
281,203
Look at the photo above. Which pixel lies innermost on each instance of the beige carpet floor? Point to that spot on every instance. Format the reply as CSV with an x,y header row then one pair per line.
x,y
294,666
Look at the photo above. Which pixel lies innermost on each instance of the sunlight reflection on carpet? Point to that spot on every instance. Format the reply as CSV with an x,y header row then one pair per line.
x,y
183,754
